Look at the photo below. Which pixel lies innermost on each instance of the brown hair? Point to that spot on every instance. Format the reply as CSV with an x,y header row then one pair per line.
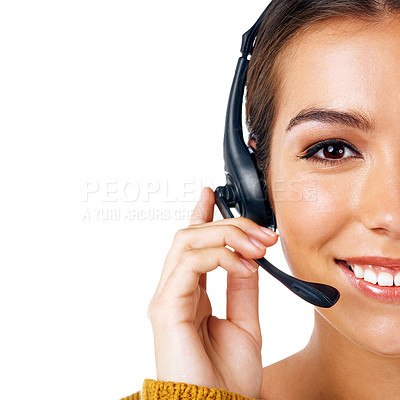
x,y
284,20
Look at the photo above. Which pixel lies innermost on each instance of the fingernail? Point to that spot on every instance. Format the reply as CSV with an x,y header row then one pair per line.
x,y
269,232
257,243
247,264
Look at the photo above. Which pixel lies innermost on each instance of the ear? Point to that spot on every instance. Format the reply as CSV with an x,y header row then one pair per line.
x,y
252,143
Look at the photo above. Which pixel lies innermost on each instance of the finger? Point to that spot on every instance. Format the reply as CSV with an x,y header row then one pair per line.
x,y
192,237
204,209
203,212
242,302
203,281
184,279
210,236
250,241
245,224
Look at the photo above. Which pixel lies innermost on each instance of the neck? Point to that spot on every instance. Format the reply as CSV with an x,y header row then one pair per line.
x,y
341,369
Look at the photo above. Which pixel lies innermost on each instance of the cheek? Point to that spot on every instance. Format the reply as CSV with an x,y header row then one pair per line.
x,y
316,214
310,211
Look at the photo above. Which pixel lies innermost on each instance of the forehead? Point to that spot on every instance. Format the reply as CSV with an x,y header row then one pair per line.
x,y
345,64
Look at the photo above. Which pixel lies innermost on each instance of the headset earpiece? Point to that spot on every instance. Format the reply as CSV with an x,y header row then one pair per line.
x,y
246,187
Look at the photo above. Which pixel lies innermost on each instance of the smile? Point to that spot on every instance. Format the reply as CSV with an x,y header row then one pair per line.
x,y
376,281
383,276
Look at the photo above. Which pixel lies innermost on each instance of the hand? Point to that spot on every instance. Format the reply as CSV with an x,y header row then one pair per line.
x,y
192,345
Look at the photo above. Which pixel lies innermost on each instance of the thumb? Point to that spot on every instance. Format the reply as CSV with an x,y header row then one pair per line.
x,y
204,210
242,302
202,213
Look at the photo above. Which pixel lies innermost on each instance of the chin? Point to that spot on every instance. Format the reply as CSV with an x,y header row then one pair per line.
x,y
386,348
378,336
372,326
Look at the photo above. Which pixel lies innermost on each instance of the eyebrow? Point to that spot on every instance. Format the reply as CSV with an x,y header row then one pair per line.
x,y
354,119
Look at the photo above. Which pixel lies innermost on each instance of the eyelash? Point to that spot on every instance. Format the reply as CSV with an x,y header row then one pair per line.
x,y
325,143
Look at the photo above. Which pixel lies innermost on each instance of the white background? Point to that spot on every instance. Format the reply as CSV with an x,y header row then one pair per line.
x,y
102,102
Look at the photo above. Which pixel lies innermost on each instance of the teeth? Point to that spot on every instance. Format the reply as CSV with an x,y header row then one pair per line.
x,y
358,271
369,275
385,279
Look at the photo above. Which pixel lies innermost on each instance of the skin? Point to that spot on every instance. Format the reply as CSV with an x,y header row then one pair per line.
x,y
347,209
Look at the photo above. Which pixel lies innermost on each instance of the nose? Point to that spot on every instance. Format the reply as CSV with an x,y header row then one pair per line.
x,y
380,197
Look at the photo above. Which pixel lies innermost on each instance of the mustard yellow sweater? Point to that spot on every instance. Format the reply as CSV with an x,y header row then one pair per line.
x,y
158,390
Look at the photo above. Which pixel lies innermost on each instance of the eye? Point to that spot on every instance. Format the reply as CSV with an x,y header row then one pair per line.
x,y
331,152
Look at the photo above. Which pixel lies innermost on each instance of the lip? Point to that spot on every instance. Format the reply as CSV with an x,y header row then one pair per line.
x,y
386,294
377,261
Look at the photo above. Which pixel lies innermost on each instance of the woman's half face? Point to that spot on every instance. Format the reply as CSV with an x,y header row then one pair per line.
x,y
340,199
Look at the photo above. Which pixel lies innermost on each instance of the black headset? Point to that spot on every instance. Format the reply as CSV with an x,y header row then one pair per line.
x,y
246,189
